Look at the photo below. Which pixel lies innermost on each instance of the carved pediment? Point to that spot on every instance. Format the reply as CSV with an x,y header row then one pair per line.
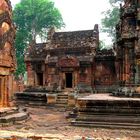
x,y
68,62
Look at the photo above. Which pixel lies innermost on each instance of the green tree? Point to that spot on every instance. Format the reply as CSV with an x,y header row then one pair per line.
x,y
111,18
112,2
33,18
101,45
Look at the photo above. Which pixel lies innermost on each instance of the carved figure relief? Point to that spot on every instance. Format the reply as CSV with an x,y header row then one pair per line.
x,y
3,6
5,27
68,62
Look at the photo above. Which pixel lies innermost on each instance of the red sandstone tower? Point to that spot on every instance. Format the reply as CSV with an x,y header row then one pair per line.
x,y
7,53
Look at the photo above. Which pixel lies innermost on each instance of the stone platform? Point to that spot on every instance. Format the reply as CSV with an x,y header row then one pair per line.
x,y
55,99
31,98
12,115
103,110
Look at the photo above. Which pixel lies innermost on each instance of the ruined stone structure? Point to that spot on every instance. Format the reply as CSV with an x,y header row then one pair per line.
x,y
70,60
128,43
109,111
7,53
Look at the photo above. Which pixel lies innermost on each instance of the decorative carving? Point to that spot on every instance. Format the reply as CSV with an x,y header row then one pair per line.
x,y
7,52
68,62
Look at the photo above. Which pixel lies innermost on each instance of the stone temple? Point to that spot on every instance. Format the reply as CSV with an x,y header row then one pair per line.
x,y
73,60
70,60
71,63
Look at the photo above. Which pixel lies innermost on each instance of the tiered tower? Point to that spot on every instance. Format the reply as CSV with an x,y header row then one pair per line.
x,y
7,52
128,43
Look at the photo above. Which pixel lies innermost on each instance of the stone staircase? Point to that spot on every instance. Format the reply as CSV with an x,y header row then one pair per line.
x,y
62,100
123,113
9,116
31,98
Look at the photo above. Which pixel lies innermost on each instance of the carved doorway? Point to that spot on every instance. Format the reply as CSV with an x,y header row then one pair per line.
x,y
69,80
40,79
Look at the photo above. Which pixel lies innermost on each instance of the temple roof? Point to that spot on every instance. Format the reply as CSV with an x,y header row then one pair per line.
x,y
81,38
105,53
75,34
64,43
36,52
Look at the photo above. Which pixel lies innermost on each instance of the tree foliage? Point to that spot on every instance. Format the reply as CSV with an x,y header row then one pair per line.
x,y
33,18
101,45
111,18
115,1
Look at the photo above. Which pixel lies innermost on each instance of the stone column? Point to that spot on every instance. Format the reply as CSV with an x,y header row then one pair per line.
x,y
76,78
5,91
1,90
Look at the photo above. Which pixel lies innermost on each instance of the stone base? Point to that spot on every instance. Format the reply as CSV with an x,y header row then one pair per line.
x,y
103,110
31,98
12,115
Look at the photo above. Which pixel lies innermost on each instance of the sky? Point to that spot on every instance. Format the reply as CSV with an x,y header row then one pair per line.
x,y
81,14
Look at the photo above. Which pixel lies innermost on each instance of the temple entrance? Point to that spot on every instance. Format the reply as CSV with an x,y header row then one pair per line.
x,y
40,79
69,80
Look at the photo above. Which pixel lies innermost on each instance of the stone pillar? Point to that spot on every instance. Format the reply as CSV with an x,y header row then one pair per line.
x,y
5,92
1,92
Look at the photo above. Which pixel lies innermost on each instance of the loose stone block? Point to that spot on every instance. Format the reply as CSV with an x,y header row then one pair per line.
x,y
71,99
51,98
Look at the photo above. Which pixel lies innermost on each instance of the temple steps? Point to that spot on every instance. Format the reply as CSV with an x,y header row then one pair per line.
x,y
8,111
103,110
112,125
31,98
62,100
131,121
12,115
109,118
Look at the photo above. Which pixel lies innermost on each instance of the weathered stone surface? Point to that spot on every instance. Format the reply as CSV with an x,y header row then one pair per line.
x,y
7,52
68,60
102,110
31,98
127,44
51,98
72,99
11,115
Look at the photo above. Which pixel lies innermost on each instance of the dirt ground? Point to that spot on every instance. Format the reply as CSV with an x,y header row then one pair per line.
x,y
51,123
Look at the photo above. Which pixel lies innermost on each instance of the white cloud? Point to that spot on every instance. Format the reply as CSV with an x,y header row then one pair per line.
x,y
14,1
81,14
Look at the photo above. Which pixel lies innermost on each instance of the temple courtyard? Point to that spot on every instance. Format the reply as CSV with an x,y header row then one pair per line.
x,y
47,122
51,124
73,88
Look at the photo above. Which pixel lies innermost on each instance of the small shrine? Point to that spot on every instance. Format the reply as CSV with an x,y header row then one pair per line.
x,y
70,60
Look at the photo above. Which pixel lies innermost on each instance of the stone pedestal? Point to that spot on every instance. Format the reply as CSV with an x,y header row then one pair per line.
x,y
71,100
51,98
